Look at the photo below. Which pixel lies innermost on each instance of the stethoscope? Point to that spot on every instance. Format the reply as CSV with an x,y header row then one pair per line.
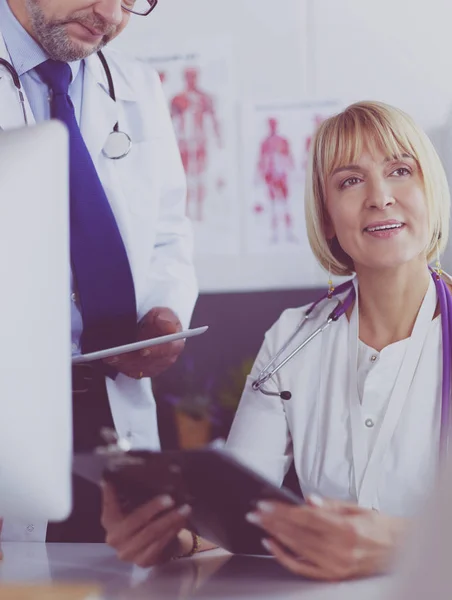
x,y
118,144
445,302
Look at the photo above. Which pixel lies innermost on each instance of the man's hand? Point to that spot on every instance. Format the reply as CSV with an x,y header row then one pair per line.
x,y
151,362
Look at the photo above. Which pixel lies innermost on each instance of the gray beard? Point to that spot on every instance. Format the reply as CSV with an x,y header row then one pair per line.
x,y
52,36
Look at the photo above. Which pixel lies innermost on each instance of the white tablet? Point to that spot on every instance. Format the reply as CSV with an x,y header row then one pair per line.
x,y
164,339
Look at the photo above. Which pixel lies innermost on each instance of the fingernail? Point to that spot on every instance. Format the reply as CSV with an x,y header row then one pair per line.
x,y
316,500
253,518
145,352
166,501
184,510
163,319
265,506
112,361
266,545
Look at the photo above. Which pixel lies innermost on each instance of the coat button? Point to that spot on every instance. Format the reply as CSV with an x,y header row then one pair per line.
x,y
30,528
369,423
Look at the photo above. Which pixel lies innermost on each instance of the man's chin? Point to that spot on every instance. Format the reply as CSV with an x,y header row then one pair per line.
x,y
76,50
83,50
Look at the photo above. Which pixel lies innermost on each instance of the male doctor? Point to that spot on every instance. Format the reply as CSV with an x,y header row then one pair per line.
x,y
131,244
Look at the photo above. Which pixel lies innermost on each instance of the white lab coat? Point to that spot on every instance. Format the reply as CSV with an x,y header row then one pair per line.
x,y
314,428
147,192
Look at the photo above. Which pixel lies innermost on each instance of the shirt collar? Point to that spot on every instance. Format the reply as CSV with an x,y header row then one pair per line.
x,y
25,53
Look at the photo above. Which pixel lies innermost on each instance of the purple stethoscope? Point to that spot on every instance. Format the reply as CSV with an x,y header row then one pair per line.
x,y
445,302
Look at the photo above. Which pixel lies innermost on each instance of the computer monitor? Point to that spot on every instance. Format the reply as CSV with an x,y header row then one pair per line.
x,y
35,345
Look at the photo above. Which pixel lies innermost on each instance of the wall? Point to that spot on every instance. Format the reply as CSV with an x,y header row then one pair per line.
x,y
398,51
266,35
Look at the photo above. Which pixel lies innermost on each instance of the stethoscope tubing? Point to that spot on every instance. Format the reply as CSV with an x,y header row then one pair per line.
x,y
445,301
334,315
111,90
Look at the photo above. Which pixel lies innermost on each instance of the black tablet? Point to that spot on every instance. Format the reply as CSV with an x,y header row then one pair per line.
x,y
220,490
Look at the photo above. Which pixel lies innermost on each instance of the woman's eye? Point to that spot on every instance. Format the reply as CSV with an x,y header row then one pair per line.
x,y
401,171
349,182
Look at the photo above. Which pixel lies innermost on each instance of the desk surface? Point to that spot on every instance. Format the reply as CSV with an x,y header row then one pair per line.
x,y
212,575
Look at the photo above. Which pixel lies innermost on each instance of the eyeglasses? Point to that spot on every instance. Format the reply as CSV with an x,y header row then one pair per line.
x,y
139,7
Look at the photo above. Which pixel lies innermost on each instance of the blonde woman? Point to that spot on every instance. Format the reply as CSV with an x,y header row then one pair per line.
x,y
363,423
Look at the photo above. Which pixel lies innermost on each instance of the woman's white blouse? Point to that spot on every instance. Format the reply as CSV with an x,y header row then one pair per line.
x,y
313,428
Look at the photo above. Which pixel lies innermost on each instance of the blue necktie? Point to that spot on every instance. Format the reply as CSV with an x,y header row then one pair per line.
x,y
100,264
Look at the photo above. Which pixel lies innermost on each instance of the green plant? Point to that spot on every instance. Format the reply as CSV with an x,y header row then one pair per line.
x,y
197,406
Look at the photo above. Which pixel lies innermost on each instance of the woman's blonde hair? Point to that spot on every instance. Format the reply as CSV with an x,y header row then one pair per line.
x,y
339,141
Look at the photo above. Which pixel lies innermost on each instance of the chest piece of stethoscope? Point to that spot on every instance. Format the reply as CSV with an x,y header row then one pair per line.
x,y
118,144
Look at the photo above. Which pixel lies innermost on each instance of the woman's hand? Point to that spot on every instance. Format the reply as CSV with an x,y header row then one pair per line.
x,y
143,537
329,540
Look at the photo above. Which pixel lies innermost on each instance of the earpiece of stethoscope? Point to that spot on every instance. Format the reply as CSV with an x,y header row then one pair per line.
x,y
257,386
118,144
283,395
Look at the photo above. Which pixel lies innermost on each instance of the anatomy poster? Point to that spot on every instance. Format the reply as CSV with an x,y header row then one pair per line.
x,y
276,142
199,88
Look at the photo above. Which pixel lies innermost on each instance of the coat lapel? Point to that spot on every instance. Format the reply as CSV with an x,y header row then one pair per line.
x,y
99,111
